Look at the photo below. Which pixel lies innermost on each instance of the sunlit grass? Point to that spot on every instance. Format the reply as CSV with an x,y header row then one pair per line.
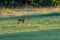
x,y
27,11
31,24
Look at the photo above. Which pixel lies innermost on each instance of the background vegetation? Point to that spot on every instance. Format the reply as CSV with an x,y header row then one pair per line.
x,y
20,3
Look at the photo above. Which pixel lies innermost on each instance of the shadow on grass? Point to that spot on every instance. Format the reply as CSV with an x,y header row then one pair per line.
x,y
38,35
44,15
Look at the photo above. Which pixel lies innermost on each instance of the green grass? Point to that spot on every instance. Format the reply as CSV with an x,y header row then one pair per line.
x,y
32,23
36,27
7,10
37,35
23,9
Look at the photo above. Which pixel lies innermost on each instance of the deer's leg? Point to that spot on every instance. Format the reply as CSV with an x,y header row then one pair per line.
x,y
23,21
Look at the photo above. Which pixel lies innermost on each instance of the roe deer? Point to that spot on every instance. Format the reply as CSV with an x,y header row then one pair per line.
x,y
21,20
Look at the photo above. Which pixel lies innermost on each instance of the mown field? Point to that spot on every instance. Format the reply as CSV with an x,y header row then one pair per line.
x,y
36,27
37,35
32,23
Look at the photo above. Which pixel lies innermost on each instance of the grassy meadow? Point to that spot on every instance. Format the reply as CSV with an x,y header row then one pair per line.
x,y
37,35
37,26
32,23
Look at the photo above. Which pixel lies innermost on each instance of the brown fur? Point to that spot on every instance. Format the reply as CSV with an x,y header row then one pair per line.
x,y
21,20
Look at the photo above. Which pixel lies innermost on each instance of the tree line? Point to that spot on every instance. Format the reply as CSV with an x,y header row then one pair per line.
x,y
21,3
